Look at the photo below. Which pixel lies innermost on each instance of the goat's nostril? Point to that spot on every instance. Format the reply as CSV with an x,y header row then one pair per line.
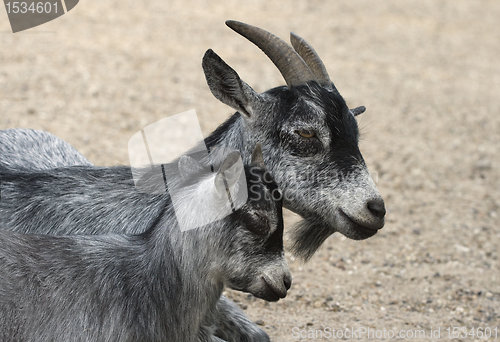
x,y
377,208
288,282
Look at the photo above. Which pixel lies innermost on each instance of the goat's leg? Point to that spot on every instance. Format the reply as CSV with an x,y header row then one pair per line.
x,y
216,339
206,334
210,338
234,326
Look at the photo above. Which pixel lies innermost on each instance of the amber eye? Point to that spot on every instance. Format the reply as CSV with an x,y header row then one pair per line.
x,y
305,133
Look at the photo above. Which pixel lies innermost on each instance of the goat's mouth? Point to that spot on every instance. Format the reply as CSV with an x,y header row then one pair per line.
x,y
355,230
269,292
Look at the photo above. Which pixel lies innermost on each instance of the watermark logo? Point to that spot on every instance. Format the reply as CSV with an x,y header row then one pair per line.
x,y
24,15
170,156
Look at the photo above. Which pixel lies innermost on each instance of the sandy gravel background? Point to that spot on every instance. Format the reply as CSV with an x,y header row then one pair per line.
x,y
429,73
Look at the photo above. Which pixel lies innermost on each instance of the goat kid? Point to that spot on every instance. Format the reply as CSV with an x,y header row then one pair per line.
x,y
161,285
86,200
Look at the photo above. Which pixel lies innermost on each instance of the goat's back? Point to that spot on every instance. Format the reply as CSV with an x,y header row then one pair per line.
x,y
76,200
36,150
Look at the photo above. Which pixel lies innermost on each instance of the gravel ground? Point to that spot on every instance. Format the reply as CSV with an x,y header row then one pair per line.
x,y
429,73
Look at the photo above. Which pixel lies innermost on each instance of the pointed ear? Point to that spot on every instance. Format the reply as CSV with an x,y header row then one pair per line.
x,y
358,110
188,166
257,157
229,173
227,86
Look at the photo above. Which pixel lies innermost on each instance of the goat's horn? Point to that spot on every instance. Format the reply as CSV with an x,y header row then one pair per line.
x,y
293,68
309,55
358,110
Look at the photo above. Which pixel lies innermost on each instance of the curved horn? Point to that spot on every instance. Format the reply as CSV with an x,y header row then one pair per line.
x,y
293,68
309,55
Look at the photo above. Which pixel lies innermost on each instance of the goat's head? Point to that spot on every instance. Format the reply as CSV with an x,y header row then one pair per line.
x,y
309,137
250,240
246,203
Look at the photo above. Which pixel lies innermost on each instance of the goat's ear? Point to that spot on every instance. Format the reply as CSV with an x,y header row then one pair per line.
x,y
188,166
257,157
358,110
229,173
226,85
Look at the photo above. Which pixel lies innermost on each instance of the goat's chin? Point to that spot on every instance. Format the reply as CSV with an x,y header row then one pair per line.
x,y
267,293
261,289
307,236
352,230
267,296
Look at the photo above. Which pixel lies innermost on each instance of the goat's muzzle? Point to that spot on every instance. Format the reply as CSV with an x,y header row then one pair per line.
x,y
367,223
273,291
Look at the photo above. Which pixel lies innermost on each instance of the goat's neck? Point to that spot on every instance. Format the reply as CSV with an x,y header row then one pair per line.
x,y
189,267
230,136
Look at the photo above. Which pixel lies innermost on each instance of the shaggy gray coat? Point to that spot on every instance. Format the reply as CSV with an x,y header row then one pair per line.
x,y
161,285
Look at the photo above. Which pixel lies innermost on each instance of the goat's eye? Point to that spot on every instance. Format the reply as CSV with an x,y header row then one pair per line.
x,y
305,133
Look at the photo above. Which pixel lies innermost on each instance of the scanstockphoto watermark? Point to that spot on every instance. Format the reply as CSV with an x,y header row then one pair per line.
x,y
368,333
324,180
322,176
325,175
355,333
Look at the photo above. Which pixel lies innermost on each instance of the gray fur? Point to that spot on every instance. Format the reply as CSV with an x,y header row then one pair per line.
x,y
161,285
330,188
83,199
36,150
